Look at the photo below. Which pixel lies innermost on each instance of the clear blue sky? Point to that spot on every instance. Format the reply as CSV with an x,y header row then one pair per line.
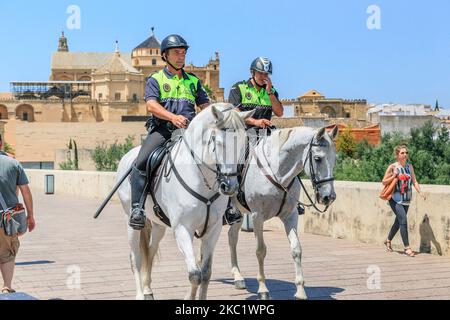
x,y
322,44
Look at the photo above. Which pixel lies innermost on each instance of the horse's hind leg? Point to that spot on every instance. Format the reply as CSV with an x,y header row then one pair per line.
x,y
261,250
207,250
290,225
156,236
233,237
184,240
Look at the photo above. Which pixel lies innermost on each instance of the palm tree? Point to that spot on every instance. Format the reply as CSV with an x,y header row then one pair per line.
x,y
209,92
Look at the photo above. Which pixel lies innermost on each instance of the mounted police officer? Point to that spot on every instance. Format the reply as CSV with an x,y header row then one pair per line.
x,y
171,95
257,93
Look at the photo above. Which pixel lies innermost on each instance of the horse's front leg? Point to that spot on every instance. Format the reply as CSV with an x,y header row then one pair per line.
x,y
290,225
185,239
233,238
157,234
261,250
207,250
136,260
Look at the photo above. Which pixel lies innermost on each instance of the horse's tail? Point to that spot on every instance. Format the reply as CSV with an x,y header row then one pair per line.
x,y
145,250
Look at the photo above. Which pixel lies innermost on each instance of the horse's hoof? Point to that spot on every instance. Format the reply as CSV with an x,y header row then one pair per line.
x,y
264,296
301,295
149,297
240,285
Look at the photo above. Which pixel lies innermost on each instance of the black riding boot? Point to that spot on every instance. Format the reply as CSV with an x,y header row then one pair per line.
x,y
232,215
138,184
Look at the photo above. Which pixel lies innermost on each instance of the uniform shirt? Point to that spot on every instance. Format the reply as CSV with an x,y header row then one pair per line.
x,y
235,98
178,107
11,176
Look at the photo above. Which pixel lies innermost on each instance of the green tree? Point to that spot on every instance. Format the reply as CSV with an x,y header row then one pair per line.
x,y
107,158
346,143
9,149
209,92
429,153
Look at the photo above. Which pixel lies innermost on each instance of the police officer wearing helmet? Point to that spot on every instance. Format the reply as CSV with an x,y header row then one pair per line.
x,y
256,93
171,95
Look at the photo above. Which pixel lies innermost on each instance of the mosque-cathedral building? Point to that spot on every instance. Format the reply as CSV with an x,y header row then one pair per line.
x,y
96,87
98,99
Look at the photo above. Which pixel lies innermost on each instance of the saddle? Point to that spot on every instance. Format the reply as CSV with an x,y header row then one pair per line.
x,y
158,159
242,168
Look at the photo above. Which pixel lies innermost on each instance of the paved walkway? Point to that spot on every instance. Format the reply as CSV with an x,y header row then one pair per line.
x,y
68,240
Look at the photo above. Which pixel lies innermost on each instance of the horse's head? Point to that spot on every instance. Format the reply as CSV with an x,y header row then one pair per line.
x,y
319,165
221,130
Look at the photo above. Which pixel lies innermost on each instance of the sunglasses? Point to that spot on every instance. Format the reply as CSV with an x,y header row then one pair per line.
x,y
403,152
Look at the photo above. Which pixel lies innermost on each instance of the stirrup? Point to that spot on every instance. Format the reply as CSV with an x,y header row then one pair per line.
x,y
137,219
231,217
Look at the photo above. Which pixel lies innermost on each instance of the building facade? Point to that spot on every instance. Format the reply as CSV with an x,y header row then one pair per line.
x,y
314,103
96,87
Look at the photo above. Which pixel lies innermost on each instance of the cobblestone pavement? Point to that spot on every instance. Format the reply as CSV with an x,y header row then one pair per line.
x,y
68,239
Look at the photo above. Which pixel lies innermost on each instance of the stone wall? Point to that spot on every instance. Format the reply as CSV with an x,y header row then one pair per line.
x,y
2,132
358,214
38,142
80,109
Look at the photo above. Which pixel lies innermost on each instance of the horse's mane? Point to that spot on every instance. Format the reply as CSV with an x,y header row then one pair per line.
x,y
231,119
285,133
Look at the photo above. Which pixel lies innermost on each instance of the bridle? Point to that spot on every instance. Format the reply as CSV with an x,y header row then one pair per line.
x,y
313,176
316,183
221,177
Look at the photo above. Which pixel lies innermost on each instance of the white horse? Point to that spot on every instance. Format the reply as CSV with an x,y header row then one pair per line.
x,y
197,170
272,189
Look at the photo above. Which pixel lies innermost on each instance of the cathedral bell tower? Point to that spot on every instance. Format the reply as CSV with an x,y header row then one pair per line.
x,y
62,46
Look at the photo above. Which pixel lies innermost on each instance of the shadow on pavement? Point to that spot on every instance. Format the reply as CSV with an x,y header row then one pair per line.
x,y
32,263
284,290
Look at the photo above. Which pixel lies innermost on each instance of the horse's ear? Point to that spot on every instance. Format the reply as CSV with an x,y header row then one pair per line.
x,y
217,113
334,133
247,114
320,134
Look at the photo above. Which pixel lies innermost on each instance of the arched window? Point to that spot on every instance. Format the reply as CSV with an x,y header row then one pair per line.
x,y
3,112
25,112
329,111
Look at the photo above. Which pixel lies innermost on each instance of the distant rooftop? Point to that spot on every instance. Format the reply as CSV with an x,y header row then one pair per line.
x,y
151,43
401,109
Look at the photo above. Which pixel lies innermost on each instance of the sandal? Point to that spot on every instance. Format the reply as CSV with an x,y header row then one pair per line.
x,y
388,245
7,290
409,252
